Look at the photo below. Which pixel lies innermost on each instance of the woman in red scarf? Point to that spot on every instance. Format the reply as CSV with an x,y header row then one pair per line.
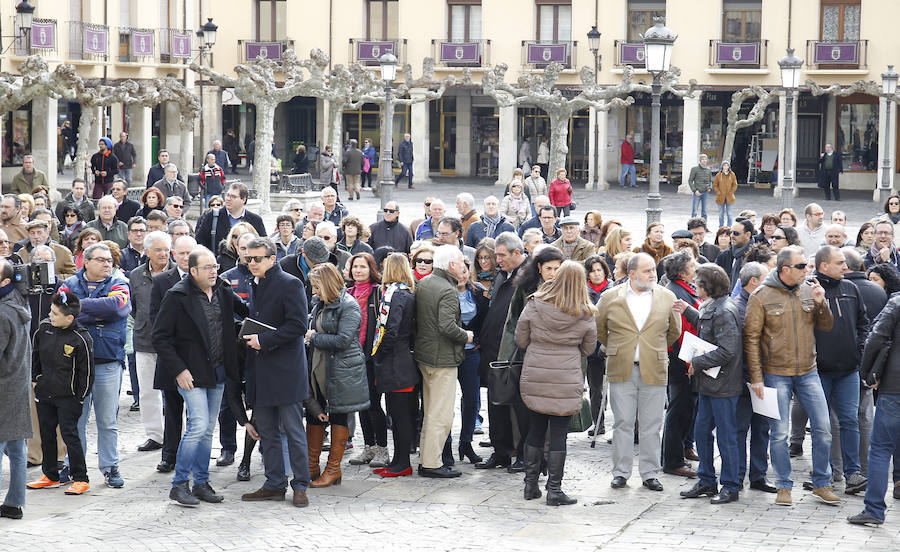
x,y
422,261
599,279
366,291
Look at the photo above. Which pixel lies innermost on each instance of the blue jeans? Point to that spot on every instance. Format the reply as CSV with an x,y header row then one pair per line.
x,y
808,390
290,417
104,396
628,169
724,212
470,384
719,414
758,427
126,174
202,406
885,443
406,169
15,451
701,200
842,394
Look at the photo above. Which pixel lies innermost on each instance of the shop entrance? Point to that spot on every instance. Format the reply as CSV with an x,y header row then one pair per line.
x,y
442,136
535,124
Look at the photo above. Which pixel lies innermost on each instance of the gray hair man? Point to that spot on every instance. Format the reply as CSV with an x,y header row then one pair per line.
x,y
171,186
107,224
465,206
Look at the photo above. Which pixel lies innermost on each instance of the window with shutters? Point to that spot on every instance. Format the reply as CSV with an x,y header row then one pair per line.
x,y
840,20
383,17
464,20
640,17
554,20
271,20
742,21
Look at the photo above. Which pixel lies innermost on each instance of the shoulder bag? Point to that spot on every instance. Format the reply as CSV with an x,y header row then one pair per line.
x,y
503,380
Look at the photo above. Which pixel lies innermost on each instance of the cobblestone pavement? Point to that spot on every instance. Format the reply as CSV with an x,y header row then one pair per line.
x,y
478,511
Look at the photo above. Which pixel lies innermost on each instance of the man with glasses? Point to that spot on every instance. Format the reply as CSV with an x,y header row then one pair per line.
x,y
172,187
390,231
550,232
812,232
449,232
174,208
108,225
133,253
334,211
883,250
157,221
39,234
698,229
196,344
732,259
338,257
105,304
414,226
126,208
214,225
780,345
535,221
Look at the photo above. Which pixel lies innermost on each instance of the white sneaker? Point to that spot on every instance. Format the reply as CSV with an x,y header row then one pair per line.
x,y
364,457
381,459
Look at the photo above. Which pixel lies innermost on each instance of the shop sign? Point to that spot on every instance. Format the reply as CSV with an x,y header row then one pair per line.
x,y
371,50
547,53
265,50
836,53
460,52
737,53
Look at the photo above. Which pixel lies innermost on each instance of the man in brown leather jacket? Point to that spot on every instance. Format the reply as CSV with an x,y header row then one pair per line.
x,y
780,347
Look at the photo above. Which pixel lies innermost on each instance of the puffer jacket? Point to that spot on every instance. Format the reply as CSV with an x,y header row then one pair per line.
x,y
440,337
346,382
554,342
62,362
718,322
778,329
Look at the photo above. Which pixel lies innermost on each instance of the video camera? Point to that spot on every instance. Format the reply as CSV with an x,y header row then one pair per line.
x,y
35,278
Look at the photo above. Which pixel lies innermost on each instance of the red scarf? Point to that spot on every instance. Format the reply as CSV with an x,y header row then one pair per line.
x,y
598,287
419,275
361,292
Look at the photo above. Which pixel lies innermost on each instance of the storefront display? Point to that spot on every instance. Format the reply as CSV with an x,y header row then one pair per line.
x,y
16,136
857,133
671,128
486,140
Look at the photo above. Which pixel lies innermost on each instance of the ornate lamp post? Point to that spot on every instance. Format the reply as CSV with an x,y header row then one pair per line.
x,y
889,87
388,63
790,79
207,36
658,43
24,17
594,44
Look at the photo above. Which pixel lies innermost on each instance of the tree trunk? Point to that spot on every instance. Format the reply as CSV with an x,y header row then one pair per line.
x,y
559,139
85,122
265,135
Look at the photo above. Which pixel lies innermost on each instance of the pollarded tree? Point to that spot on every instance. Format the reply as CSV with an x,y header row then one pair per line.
x,y
756,114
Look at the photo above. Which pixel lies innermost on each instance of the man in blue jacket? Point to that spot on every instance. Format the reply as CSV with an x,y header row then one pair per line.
x,y
105,304
405,156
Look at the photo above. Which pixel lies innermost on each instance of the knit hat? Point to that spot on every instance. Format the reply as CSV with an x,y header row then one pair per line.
x,y
106,141
315,250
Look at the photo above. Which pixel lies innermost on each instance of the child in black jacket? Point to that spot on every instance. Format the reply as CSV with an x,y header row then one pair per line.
x,y
63,372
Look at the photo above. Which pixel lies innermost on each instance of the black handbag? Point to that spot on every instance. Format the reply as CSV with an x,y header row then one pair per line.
x,y
879,364
503,380
581,420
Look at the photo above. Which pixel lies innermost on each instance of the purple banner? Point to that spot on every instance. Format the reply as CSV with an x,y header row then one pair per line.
x,y
460,52
43,35
265,50
181,46
371,50
737,53
142,43
95,40
631,54
545,53
836,53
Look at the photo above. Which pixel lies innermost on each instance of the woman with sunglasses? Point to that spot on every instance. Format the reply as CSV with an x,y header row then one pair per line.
x,y
892,215
422,261
784,236
70,227
228,253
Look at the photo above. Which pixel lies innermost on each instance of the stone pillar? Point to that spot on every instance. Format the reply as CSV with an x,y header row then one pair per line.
x,y
782,108
96,130
886,128
141,123
464,135
615,133
508,145
44,137
321,123
116,122
418,128
690,155
171,136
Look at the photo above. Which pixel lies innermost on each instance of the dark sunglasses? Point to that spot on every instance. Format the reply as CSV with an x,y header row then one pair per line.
x,y
425,261
427,204
391,210
779,238
733,233
799,266
256,258
214,205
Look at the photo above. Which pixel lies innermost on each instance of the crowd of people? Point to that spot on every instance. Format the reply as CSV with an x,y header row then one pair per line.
x,y
310,327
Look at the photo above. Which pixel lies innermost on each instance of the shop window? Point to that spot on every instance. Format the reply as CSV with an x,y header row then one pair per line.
x,y
741,21
16,136
271,20
383,18
857,132
840,20
554,20
671,123
640,17
464,20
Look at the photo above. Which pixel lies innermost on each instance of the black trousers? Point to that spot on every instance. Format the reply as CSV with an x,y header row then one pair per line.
x,y
596,370
559,428
500,427
372,420
401,406
173,414
62,413
679,415
831,183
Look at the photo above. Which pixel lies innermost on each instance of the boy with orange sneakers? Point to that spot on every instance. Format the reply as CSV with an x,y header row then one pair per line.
x,y
63,372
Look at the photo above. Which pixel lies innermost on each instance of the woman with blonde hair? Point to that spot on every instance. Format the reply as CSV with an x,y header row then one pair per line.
x,y
228,253
617,241
338,369
556,329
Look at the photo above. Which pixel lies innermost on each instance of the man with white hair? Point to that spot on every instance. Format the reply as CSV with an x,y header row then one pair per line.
x,y
174,208
328,232
333,211
439,350
428,228
107,224
171,186
465,206
491,225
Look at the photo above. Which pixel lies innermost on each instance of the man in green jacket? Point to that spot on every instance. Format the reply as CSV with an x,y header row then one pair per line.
x,y
28,178
700,181
440,342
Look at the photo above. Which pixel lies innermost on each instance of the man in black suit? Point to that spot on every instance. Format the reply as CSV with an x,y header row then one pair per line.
x,y
173,404
127,208
223,219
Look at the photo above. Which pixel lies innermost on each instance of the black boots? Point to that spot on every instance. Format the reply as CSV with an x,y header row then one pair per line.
x,y
447,454
555,496
533,460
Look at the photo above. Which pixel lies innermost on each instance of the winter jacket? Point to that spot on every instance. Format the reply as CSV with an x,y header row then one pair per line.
x,y
873,295
405,152
583,248
719,322
125,153
357,247
478,231
157,173
117,231
86,208
346,381
560,193
515,216
352,162
778,329
467,220
327,164
700,179
221,157
282,250
104,312
212,180
176,189
62,361
162,283
479,295
205,235
394,234
15,368
839,349
105,162
873,257
836,169
141,280
440,338
127,209
554,342
725,185
21,186
394,365
885,333
658,252
626,156
493,326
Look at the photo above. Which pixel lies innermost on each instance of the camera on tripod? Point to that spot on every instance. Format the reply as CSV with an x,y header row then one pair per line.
x,y
34,278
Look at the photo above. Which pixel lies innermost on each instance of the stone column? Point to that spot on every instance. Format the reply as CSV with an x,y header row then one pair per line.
x,y
690,153
116,121
886,128
508,145
171,138
782,107
141,121
418,128
44,138
464,135
96,130
321,123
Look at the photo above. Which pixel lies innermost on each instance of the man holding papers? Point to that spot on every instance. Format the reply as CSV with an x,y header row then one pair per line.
x,y
780,346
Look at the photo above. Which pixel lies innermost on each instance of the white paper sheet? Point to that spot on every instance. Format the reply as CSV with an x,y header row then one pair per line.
x,y
691,346
713,372
768,405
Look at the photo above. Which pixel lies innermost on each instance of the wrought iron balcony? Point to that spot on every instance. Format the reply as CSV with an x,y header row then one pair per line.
x,y
540,53
42,38
248,50
367,52
738,55
88,41
629,53
471,53
825,54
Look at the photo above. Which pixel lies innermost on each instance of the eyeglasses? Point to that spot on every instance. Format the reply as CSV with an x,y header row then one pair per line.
x,y
232,196
427,204
102,260
733,233
177,206
798,266
425,261
445,234
779,238
894,203
71,215
391,210
209,268
138,230
296,210
257,258
327,238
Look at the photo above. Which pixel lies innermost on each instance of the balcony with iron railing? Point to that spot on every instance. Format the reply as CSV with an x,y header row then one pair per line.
x,y
629,53
88,41
825,54
249,50
367,52
41,39
538,54
175,45
469,53
738,55
136,45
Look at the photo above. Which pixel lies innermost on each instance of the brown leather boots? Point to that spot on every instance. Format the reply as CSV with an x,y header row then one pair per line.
x,y
332,473
315,436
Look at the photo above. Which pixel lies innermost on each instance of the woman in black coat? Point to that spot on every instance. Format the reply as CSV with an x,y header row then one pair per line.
x,y
599,280
396,374
300,162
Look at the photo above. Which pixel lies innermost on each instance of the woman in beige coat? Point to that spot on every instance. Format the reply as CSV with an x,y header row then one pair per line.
x,y
556,329
725,185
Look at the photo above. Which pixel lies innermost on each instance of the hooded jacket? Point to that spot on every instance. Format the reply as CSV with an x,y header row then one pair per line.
x,y
62,361
15,367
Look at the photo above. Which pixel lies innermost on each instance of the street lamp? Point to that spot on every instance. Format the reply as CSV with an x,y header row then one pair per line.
x,y
206,39
593,37
388,63
889,88
24,17
658,43
790,79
